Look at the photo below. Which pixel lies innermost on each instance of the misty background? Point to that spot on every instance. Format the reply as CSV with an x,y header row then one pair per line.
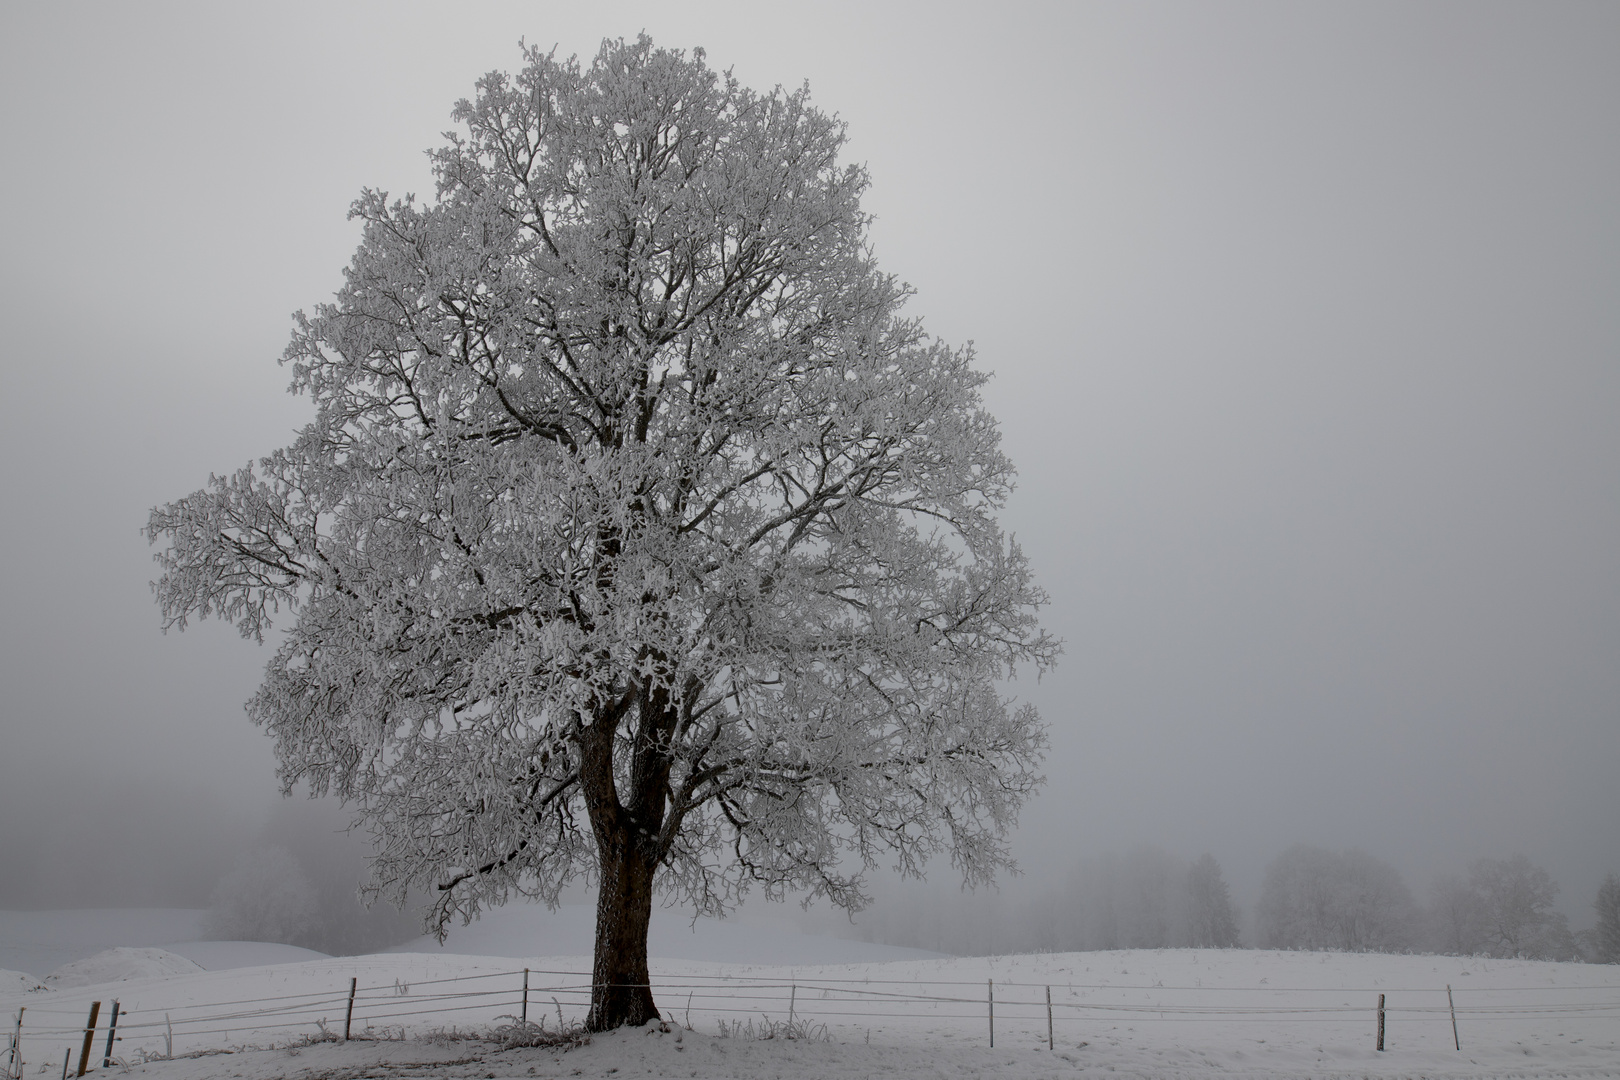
x,y
1305,321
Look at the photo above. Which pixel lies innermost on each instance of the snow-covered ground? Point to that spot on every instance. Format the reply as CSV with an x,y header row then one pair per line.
x,y
1145,1013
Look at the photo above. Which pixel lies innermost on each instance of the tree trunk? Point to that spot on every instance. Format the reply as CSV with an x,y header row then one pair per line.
x,y
627,856
620,990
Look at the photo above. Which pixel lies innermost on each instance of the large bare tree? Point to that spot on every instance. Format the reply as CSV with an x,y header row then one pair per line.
x,y
638,533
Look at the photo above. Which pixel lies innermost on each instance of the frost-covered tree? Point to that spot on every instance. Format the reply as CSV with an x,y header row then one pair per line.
x,y
1516,901
1313,898
1211,918
1606,935
1295,910
639,533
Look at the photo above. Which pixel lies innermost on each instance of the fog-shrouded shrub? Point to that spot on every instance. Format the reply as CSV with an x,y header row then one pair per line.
x,y
265,897
1314,898
333,857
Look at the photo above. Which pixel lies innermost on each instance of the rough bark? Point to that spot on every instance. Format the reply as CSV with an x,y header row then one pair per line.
x,y
626,835
620,990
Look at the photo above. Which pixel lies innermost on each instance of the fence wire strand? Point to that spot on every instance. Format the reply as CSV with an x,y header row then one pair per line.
x,y
829,999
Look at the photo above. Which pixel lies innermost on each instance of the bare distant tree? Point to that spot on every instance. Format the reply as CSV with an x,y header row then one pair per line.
x,y
1211,919
639,533
1319,899
1517,900
1607,932
1297,899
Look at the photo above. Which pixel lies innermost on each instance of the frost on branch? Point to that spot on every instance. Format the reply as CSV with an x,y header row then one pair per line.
x,y
638,534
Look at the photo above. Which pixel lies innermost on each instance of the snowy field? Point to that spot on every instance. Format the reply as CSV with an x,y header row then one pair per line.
x,y
1169,1013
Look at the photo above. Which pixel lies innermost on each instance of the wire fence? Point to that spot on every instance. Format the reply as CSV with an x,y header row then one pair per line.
x,y
1014,1011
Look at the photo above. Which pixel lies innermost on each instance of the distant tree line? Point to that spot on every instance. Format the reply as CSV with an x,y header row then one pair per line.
x,y
1311,898
1144,899
1141,899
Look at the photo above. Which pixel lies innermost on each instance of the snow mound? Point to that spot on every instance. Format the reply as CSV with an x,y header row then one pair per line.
x,y
17,982
42,941
225,955
119,965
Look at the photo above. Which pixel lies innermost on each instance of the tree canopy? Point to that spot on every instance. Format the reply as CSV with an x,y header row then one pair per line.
x,y
639,533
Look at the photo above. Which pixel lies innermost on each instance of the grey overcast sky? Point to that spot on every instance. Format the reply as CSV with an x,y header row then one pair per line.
x,y
1305,319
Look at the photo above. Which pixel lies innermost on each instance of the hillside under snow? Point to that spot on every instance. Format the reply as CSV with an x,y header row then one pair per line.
x,y
1143,1013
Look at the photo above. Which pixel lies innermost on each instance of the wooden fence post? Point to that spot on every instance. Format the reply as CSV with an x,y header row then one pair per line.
x,y
1380,1021
992,983
89,1037
67,1056
348,1016
1452,1005
112,1029
1051,1043
14,1066
793,997
525,1017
